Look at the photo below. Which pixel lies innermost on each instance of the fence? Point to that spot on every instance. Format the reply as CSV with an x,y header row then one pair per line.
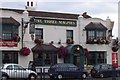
x,y
42,73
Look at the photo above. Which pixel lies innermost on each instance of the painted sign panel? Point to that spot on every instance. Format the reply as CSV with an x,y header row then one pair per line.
x,y
8,44
115,60
57,22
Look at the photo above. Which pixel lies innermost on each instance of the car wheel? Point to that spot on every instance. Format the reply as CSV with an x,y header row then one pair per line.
x,y
4,77
101,75
52,78
118,74
32,77
59,76
84,75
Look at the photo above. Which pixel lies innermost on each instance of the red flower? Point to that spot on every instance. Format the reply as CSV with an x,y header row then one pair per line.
x,y
38,41
108,41
68,41
25,51
63,52
16,38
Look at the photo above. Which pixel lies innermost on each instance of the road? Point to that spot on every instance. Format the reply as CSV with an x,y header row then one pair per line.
x,y
118,78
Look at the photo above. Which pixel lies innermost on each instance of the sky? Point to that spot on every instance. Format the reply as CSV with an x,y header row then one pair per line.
x,y
95,8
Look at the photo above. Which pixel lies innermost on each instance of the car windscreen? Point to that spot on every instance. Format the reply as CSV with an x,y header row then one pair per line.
x,y
96,67
72,67
1,67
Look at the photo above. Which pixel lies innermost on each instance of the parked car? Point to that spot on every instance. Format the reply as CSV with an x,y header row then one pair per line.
x,y
104,70
66,70
16,71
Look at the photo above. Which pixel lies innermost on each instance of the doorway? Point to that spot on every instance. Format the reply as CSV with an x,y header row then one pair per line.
x,y
76,61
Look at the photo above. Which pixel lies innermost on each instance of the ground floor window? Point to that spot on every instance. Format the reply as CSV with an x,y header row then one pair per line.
x,y
44,59
9,57
96,58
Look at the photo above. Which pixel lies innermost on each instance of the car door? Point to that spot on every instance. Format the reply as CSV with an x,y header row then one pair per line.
x,y
10,71
20,72
73,71
106,70
110,70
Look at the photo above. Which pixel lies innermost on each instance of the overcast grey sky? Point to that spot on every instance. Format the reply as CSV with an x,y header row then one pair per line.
x,y
94,8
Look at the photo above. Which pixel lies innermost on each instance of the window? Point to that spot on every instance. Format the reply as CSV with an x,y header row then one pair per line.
x,y
93,34
45,59
100,35
8,31
10,67
69,34
96,37
16,67
39,33
99,57
9,57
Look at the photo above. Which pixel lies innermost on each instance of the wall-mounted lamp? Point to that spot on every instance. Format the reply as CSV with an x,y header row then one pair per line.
x,y
24,24
84,30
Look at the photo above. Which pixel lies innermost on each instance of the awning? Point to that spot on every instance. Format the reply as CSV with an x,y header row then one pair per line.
x,y
44,47
95,26
86,52
9,20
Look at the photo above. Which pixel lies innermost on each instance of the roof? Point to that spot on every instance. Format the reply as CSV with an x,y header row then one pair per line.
x,y
44,47
46,14
9,20
95,26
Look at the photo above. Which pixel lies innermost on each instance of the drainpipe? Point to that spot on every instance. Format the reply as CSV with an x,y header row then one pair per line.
x,y
0,50
78,24
118,32
22,24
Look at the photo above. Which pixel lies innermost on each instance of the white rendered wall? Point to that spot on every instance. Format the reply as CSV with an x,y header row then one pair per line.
x,y
119,31
94,47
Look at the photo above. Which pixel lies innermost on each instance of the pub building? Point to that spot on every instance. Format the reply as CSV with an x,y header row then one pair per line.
x,y
48,38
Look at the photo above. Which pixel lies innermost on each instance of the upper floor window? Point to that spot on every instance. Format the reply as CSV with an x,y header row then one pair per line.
x,y
91,34
101,34
39,33
95,34
69,34
69,37
8,32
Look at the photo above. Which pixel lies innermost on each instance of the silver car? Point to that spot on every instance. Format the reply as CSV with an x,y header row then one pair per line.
x,y
17,71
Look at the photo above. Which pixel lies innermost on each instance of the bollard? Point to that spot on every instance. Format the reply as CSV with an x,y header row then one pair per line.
x,y
113,73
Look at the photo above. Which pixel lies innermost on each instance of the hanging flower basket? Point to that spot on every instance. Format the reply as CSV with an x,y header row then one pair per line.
x,y
38,41
16,38
63,52
25,51
98,41
68,41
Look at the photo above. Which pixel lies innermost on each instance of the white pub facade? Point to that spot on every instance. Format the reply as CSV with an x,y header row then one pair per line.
x,y
49,38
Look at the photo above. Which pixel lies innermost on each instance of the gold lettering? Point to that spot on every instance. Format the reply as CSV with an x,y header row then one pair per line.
x,y
64,22
50,21
59,22
56,22
38,21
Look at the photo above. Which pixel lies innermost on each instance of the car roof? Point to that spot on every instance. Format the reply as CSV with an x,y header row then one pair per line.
x,y
6,64
102,64
63,64
10,64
